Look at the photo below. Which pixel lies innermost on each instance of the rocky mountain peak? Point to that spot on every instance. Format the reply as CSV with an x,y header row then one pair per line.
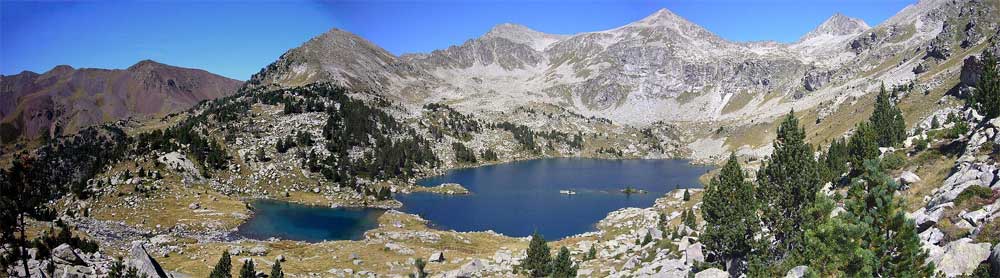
x,y
838,25
146,65
522,34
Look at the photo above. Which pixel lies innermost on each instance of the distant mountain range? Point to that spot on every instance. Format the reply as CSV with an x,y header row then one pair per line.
x,y
65,99
660,68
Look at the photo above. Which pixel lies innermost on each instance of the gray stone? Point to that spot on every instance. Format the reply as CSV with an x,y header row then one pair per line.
x,y
908,177
932,236
437,257
694,254
797,272
194,206
258,250
467,271
280,258
64,254
711,273
140,259
960,257
995,260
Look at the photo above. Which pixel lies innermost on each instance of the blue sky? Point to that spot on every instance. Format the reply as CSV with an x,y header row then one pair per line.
x,y
237,38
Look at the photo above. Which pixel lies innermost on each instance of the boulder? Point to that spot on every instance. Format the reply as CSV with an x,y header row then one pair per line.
x,y
64,254
280,258
908,177
995,261
932,236
711,273
797,272
258,250
960,257
466,271
437,257
140,259
694,254
194,206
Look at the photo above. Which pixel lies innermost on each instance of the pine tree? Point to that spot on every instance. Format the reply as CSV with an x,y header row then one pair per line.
x,y
729,210
788,183
986,98
862,146
887,120
691,220
538,257
247,270
935,124
223,269
687,196
890,235
592,253
836,160
562,266
276,270
419,264
647,239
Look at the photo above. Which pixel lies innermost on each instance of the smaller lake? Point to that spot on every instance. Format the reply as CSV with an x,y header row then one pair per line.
x,y
307,223
514,199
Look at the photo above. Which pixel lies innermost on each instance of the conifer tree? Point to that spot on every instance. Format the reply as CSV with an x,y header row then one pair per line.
x,y
647,239
592,253
562,266
836,160
247,270
687,196
688,218
986,98
862,146
223,269
890,235
788,183
419,264
276,270
538,257
887,120
729,210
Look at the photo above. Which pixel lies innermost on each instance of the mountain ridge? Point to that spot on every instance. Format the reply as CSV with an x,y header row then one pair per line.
x,y
65,99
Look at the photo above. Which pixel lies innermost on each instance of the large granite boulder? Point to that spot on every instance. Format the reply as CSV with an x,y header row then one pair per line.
x,y
797,272
712,273
960,257
141,260
65,254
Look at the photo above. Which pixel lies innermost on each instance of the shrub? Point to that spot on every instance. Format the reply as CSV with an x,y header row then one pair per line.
x,y
974,191
893,160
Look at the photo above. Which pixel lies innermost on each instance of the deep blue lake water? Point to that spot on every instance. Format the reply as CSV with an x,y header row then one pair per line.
x,y
513,199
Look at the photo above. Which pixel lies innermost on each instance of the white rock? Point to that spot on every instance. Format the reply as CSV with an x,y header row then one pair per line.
x,y
711,273
961,257
797,272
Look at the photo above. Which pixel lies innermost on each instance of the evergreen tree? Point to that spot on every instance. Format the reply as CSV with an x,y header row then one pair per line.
x,y
538,257
788,183
986,97
247,270
935,124
729,210
832,247
691,220
419,264
835,160
647,239
687,196
223,269
889,234
887,121
276,271
862,146
562,266
592,253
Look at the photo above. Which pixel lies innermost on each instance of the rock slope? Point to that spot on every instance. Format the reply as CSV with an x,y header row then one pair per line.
x,y
64,100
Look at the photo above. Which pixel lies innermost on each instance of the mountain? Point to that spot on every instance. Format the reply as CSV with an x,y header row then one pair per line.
x,y
64,100
660,69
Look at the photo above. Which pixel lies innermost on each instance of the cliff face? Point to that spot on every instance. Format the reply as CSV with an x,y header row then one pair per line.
x,y
64,100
